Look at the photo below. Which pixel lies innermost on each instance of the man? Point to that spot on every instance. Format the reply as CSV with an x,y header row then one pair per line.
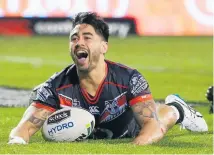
x,y
119,97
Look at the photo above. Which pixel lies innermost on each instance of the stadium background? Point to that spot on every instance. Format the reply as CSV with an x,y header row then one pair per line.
x,y
169,42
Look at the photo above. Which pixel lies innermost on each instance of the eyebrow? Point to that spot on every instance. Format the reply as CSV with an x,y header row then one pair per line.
x,y
74,34
87,33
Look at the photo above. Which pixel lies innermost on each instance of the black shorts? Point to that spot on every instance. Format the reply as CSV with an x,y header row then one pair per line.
x,y
131,131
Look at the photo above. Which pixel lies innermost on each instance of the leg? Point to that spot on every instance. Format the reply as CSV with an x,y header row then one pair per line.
x,y
187,117
167,116
177,111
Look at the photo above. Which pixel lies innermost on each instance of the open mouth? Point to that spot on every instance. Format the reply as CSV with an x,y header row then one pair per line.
x,y
81,54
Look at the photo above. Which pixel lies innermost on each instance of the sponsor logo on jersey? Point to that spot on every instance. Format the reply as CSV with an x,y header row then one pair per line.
x,y
76,103
59,117
43,93
44,84
138,84
134,80
94,110
60,127
114,108
66,101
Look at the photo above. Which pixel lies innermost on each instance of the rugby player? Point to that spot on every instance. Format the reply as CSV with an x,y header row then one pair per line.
x,y
118,96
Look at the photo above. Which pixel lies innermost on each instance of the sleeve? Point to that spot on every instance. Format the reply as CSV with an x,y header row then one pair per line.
x,y
138,89
44,96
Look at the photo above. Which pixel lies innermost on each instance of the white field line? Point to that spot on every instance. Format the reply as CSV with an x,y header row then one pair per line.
x,y
20,98
38,62
35,61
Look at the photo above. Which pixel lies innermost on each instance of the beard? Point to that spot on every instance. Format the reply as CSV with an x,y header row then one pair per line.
x,y
91,61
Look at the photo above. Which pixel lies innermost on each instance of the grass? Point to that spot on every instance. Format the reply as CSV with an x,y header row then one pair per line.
x,y
175,142
180,65
171,65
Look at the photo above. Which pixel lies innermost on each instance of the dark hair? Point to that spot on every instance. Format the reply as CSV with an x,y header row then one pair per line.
x,y
95,21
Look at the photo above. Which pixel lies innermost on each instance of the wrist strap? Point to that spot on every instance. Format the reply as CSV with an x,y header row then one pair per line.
x,y
17,139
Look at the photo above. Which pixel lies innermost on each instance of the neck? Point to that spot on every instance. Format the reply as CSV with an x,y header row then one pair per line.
x,y
93,78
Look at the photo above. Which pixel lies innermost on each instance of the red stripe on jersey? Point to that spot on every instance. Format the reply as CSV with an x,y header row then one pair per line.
x,y
40,105
85,94
65,101
140,99
106,114
120,65
93,100
66,86
115,84
122,100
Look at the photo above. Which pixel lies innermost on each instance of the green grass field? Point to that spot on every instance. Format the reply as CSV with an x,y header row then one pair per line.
x,y
180,65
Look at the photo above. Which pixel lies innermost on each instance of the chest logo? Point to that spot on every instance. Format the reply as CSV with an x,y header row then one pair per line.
x,y
94,110
114,108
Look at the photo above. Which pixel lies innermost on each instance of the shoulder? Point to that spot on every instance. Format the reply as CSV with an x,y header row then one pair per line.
x,y
119,68
124,74
60,78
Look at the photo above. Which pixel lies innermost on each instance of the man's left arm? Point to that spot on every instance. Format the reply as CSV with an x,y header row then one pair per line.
x,y
146,114
145,110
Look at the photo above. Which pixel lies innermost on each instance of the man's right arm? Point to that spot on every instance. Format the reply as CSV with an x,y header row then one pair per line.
x,y
43,102
31,122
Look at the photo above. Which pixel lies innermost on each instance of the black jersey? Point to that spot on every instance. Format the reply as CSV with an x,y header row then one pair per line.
x,y
119,90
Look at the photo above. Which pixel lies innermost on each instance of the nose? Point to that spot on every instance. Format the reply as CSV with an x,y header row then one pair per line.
x,y
80,42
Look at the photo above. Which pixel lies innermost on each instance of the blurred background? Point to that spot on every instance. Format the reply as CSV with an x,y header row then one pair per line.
x,y
143,17
169,42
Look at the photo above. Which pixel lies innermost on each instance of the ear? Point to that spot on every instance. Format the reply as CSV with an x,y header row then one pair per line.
x,y
104,47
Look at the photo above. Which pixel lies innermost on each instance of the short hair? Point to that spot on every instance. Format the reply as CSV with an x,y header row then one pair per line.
x,y
95,21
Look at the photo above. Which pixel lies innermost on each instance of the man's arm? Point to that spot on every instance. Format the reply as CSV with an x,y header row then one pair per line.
x,y
31,122
151,129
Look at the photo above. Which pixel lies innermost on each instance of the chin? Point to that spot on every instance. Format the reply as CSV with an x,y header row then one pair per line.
x,y
83,68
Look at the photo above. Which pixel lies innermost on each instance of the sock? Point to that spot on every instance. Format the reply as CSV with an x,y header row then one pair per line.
x,y
179,111
176,112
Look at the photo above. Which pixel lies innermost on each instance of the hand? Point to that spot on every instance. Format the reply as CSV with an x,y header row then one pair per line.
x,y
141,140
17,140
145,139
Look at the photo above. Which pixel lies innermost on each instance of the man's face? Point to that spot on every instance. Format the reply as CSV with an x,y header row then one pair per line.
x,y
86,47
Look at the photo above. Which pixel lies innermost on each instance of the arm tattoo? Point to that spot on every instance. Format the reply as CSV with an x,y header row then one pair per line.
x,y
145,111
38,117
36,121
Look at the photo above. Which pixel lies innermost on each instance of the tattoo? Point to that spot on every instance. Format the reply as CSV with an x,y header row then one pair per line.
x,y
36,121
38,117
145,111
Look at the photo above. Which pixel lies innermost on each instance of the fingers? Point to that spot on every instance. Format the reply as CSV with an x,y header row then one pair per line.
x,y
17,140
